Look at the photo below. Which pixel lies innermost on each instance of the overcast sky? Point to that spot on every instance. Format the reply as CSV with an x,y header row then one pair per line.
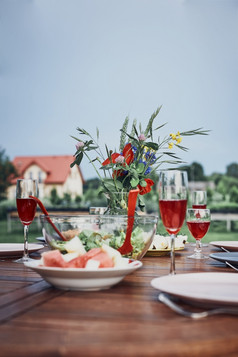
x,y
85,63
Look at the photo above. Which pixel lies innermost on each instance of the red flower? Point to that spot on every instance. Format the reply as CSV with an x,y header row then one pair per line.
x,y
147,188
127,153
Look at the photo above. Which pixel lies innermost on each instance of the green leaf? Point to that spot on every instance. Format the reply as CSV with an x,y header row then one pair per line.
x,y
143,183
118,185
153,146
93,160
89,148
78,159
133,129
134,172
140,168
74,137
141,203
198,131
151,120
131,137
82,131
123,134
109,184
161,126
134,182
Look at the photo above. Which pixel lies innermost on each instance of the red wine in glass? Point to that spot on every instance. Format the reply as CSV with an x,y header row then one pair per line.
x,y
26,208
173,187
199,206
198,222
198,229
173,213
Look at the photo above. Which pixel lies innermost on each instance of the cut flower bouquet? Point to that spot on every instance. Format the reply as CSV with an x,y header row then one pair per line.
x,y
138,157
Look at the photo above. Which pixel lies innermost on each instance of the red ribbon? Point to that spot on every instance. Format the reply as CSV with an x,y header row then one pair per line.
x,y
42,207
127,247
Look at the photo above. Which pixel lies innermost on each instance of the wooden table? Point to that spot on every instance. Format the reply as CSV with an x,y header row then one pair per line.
x,y
126,320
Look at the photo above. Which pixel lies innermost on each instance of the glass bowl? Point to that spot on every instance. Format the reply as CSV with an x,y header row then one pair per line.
x,y
94,230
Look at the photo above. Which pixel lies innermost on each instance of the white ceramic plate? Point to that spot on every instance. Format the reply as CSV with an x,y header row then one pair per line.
x,y
229,245
203,288
83,279
16,249
41,239
230,257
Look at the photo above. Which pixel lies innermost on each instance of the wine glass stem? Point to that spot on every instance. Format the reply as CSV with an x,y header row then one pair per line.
x,y
198,248
25,254
172,255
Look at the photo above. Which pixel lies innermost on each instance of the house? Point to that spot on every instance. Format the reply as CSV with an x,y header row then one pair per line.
x,y
52,172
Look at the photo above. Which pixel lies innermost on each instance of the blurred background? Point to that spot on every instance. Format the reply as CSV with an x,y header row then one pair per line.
x,y
77,63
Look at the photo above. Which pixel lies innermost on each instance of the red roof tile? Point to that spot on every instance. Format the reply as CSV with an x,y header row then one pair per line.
x,y
56,167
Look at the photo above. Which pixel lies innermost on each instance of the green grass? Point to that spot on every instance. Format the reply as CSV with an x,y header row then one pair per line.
x,y
216,232
16,235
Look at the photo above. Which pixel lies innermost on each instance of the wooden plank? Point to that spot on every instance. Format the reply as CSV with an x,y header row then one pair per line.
x,y
24,299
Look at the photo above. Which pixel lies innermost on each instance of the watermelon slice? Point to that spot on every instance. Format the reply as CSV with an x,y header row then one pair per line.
x,y
104,259
99,255
53,258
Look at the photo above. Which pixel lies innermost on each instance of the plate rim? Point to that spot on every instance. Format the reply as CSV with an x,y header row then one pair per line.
x,y
165,249
225,244
31,247
218,256
81,278
136,264
200,297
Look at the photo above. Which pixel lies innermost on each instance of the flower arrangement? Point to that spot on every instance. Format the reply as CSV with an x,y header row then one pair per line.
x,y
138,157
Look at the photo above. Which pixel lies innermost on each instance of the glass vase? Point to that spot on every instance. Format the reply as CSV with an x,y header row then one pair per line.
x,y
117,203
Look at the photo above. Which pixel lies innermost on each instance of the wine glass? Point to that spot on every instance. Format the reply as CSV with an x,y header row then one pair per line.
x,y
26,208
198,222
199,199
173,188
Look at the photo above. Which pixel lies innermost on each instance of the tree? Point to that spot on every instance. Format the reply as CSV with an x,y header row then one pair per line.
x,y
195,172
234,194
216,177
67,198
232,170
226,185
7,172
93,183
78,199
54,198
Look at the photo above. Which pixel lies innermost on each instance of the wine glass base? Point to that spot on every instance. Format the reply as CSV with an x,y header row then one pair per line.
x,y
24,260
197,256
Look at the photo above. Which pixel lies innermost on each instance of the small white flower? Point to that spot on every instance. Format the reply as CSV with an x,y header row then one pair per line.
x,y
141,137
120,159
79,145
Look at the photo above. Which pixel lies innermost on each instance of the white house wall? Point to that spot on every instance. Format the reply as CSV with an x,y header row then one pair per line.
x,y
73,184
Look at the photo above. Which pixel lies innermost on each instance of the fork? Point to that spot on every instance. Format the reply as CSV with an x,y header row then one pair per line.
x,y
231,266
167,300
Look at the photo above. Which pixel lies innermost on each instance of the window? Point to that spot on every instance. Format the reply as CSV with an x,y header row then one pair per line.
x,y
40,177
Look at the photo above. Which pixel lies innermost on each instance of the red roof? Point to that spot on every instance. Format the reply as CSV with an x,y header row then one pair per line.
x,y
56,167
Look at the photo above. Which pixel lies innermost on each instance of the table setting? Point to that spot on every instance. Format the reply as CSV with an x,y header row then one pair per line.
x,y
105,272
122,226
